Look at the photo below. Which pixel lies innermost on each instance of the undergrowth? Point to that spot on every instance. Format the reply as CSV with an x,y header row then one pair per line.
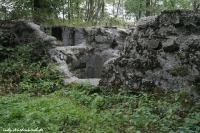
x,y
27,68
33,97
75,109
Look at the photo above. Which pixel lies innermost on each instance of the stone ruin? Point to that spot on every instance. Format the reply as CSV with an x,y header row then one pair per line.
x,y
83,51
79,53
161,52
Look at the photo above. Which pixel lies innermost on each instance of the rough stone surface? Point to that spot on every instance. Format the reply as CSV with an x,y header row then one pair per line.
x,y
80,52
28,32
93,81
146,22
85,50
163,52
170,45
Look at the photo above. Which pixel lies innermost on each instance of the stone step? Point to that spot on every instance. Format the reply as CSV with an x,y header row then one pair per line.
x,y
92,81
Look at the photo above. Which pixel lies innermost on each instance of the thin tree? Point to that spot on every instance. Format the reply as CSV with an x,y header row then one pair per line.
x,y
36,7
148,4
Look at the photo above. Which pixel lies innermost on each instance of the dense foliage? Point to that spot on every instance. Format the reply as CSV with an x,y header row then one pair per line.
x,y
154,7
76,108
88,12
53,11
26,68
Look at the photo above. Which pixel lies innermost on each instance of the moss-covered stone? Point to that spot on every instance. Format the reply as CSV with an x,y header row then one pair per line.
x,y
180,71
59,43
196,88
159,92
185,99
181,56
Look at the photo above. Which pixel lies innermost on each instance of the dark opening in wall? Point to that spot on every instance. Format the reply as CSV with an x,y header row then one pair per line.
x,y
114,44
57,32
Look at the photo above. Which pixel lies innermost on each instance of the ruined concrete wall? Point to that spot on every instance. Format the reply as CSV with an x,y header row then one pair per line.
x,y
57,32
86,49
29,32
163,52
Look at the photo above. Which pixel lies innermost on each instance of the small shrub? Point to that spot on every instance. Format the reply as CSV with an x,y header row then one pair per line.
x,y
98,102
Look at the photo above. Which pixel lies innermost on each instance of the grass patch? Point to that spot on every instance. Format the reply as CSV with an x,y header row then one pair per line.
x,y
73,109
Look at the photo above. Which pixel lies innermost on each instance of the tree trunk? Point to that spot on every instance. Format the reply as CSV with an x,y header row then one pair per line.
x,y
95,16
195,4
153,6
148,4
139,11
119,2
69,10
173,4
77,9
91,6
87,11
63,11
36,7
36,4
103,8
113,10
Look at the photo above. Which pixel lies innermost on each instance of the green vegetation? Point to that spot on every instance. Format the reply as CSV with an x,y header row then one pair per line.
x,y
88,12
27,68
196,88
75,109
180,56
33,97
180,71
148,7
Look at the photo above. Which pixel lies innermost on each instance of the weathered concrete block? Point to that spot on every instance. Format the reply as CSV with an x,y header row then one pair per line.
x,y
170,45
68,36
146,21
79,36
154,44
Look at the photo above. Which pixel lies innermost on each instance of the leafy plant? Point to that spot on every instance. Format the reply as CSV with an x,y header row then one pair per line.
x,y
27,69
72,110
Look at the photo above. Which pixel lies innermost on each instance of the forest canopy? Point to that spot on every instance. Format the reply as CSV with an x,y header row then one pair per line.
x,y
88,11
